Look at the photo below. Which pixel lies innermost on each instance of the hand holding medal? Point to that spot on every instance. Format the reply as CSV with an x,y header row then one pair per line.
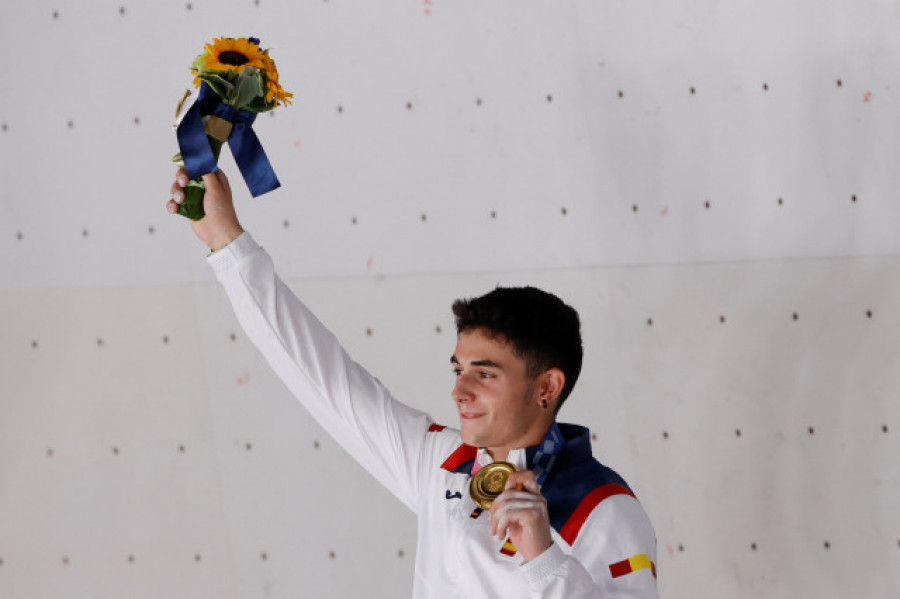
x,y
520,514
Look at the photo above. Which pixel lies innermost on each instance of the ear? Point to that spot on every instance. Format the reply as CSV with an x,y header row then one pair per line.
x,y
550,385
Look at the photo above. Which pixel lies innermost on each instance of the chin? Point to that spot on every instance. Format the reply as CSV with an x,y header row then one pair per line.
x,y
469,437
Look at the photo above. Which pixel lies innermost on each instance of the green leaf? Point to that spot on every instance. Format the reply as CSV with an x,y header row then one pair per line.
x,y
198,62
246,88
259,104
219,84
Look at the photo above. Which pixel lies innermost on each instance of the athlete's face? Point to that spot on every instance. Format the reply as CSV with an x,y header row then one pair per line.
x,y
499,406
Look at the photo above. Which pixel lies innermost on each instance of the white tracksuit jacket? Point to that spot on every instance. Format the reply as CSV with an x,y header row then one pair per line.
x,y
604,544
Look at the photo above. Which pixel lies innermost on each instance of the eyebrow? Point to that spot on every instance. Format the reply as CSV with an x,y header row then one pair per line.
x,y
484,363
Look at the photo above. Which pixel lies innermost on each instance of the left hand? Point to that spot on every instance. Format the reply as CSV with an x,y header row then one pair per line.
x,y
521,515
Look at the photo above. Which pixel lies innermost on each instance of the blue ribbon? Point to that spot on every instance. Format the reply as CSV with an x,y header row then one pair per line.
x,y
248,152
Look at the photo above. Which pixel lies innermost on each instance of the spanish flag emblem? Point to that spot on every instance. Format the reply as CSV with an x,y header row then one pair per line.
x,y
508,549
632,564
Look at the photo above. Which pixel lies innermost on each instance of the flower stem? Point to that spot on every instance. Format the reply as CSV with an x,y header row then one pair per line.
x,y
192,206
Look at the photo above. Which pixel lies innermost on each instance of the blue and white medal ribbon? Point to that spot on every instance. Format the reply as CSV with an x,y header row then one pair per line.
x,y
546,454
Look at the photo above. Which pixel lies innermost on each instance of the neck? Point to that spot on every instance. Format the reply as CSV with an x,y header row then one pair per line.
x,y
500,454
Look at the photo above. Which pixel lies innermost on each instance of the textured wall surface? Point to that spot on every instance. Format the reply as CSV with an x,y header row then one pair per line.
x,y
713,185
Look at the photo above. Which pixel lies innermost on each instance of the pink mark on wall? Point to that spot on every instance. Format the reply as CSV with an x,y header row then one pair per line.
x,y
664,211
427,4
369,263
297,143
244,380
867,97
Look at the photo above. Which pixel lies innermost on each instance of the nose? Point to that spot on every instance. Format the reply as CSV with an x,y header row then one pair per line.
x,y
462,391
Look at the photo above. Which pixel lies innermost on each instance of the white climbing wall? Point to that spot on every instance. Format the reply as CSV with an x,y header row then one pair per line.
x,y
713,185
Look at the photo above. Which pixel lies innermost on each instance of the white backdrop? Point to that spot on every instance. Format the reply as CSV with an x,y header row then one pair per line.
x,y
711,184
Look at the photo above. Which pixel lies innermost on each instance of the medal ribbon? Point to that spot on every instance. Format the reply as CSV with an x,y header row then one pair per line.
x,y
248,152
545,454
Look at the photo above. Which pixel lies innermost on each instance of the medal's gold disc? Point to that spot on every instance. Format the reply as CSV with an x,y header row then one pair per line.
x,y
489,483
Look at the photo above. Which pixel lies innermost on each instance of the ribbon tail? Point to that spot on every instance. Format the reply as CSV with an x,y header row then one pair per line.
x,y
251,160
195,151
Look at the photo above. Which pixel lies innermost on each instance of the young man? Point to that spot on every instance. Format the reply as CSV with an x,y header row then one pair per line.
x,y
561,526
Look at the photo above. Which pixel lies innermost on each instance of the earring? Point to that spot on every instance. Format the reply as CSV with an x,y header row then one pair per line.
x,y
544,403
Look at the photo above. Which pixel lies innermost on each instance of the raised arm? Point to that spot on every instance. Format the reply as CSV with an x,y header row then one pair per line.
x,y
384,435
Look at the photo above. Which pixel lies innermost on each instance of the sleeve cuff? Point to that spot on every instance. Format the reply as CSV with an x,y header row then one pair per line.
x,y
230,255
538,570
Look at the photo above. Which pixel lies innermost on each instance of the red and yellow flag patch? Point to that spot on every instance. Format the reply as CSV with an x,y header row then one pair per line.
x,y
632,564
508,549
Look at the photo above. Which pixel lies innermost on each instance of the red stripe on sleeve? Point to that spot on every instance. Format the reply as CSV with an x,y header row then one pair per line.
x,y
436,428
573,526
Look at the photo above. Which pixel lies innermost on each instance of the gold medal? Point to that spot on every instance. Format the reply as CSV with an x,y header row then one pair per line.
x,y
489,483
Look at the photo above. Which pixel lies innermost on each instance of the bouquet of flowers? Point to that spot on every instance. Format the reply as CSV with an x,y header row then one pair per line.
x,y
237,80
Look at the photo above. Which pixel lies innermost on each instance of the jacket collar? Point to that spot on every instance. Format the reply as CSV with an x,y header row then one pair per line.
x,y
577,446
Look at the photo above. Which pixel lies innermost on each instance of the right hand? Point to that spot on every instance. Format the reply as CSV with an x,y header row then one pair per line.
x,y
220,225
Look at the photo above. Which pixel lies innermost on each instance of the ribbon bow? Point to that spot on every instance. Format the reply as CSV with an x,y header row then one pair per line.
x,y
248,152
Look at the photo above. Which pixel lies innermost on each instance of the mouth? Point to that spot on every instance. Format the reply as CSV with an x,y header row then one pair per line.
x,y
470,415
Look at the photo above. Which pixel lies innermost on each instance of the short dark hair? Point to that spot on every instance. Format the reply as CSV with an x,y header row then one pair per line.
x,y
544,331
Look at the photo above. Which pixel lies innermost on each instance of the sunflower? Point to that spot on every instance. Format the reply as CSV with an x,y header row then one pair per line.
x,y
229,55
274,91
